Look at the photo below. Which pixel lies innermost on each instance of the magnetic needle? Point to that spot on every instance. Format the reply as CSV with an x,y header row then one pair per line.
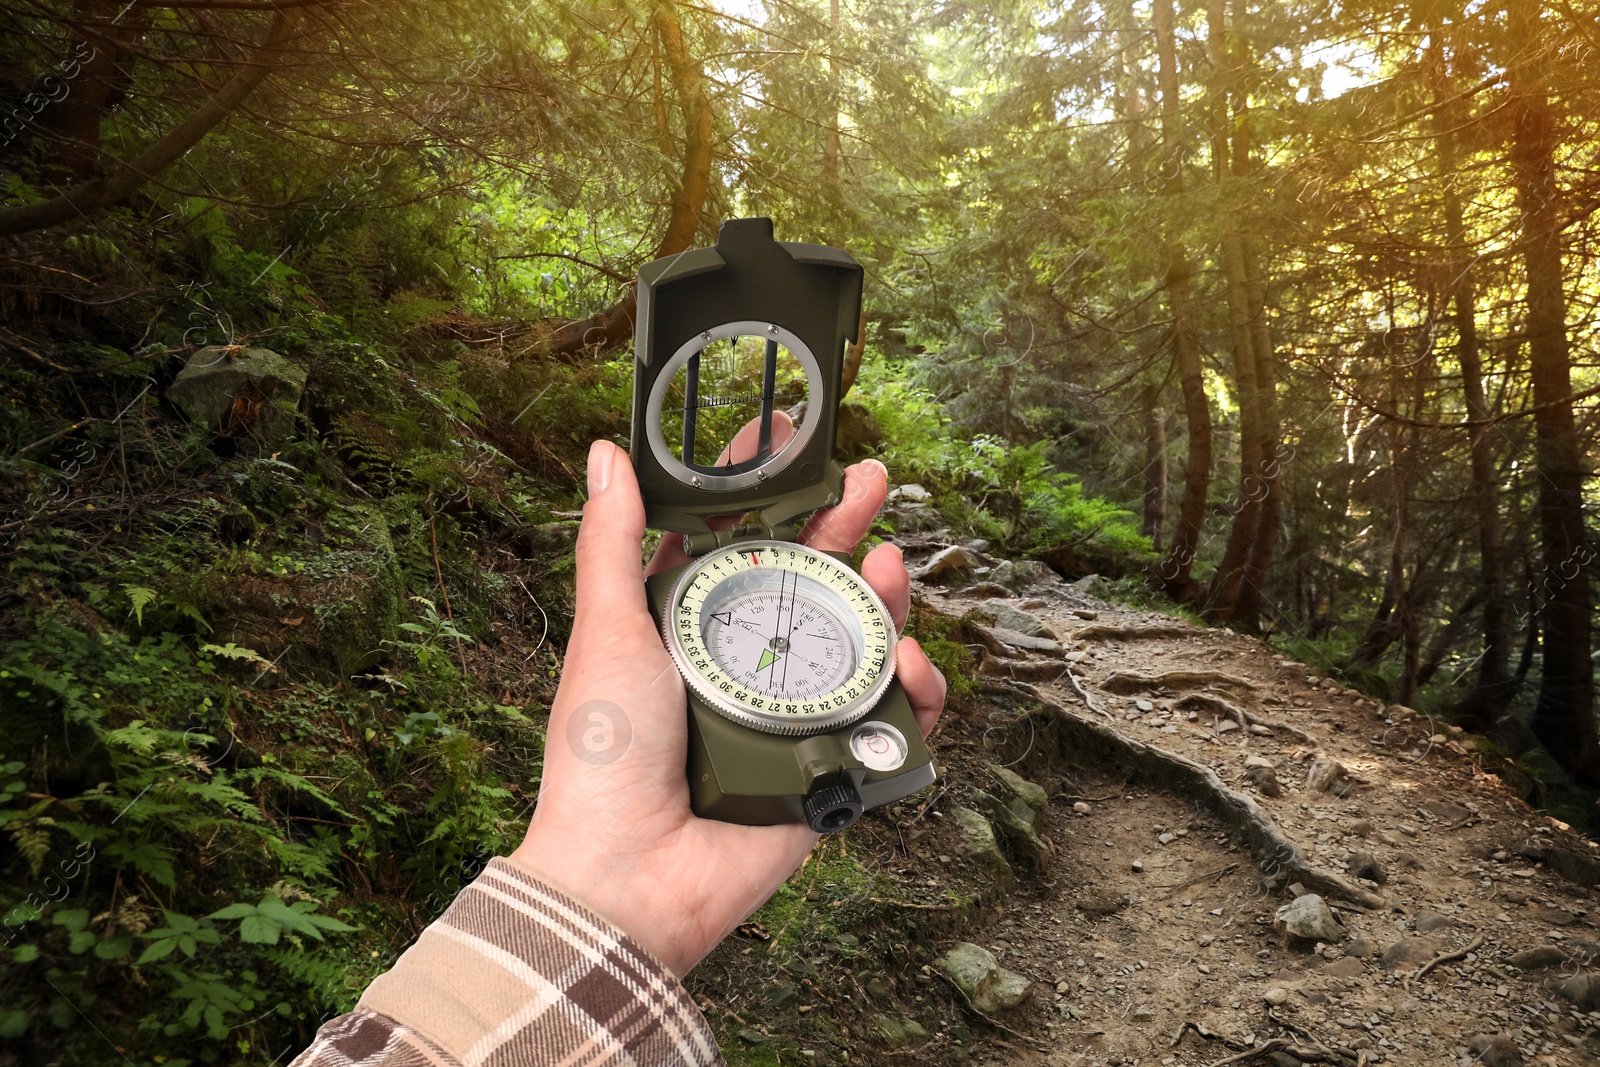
x,y
787,653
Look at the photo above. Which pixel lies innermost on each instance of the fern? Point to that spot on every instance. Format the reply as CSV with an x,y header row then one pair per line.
x,y
139,597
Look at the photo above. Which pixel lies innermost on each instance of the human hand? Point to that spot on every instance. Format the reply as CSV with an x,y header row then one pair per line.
x,y
613,827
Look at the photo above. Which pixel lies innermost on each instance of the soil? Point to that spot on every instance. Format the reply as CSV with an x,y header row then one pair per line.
x,y
1147,920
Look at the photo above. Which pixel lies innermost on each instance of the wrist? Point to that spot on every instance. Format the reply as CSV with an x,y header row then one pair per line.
x,y
611,891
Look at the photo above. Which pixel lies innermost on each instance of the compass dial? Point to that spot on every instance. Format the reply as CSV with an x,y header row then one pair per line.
x,y
780,637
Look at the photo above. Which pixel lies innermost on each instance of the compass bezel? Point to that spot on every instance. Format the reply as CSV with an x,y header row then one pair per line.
x,y
746,712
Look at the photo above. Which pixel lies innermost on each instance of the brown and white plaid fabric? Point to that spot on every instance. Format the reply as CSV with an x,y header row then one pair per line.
x,y
516,974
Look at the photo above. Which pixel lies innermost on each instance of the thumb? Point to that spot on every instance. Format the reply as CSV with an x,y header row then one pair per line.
x,y
610,571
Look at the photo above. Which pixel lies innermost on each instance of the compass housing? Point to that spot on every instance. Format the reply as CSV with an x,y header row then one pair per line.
x,y
864,633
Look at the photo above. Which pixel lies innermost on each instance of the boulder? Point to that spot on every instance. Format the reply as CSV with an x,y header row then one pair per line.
x,y
1000,636
1020,574
240,392
1495,1050
988,987
1009,618
1409,952
977,837
1306,919
1537,959
1366,865
910,493
1016,787
1583,990
1325,775
949,563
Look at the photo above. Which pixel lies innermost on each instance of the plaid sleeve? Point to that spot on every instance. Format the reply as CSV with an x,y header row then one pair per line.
x,y
516,973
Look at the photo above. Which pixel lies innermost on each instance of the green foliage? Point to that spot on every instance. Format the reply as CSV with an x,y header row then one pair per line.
x,y
264,923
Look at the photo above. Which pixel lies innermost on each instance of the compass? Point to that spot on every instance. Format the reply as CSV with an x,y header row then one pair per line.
x,y
786,652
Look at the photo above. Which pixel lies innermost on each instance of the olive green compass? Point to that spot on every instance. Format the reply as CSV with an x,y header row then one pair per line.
x,y
786,652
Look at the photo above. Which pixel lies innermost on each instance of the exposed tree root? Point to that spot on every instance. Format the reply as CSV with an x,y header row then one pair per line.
x,y
1207,702
1280,857
1446,957
1021,670
1125,683
1134,633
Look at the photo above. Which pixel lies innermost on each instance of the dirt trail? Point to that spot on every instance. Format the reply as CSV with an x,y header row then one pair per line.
x,y
1178,815
1163,924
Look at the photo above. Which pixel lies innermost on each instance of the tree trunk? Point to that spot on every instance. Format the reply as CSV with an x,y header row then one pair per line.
x,y
124,179
75,120
830,142
606,330
1269,520
1563,719
1483,705
1174,569
1155,465
1225,584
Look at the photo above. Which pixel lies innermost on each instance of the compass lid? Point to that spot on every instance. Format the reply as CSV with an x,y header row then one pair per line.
x,y
739,333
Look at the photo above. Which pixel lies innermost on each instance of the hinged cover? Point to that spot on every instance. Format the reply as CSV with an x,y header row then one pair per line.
x,y
717,328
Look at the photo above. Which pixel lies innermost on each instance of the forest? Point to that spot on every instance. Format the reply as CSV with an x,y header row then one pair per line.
x,y
1282,318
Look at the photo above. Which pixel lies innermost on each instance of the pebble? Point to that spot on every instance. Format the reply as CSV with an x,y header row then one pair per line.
x,y
1082,808
1144,705
1359,827
1226,726
1137,865
1276,996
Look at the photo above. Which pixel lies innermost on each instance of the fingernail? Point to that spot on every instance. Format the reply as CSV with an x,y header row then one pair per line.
x,y
878,464
600,456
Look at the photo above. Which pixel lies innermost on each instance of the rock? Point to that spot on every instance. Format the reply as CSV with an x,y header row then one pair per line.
x,y
910,518
552,541
1086,614
858,428
948,563
1410,952
1137,866
1016,787
753,1037
786,992
1583,990
1366,865
1019,823
1254,762
1082,807
984,590
911,493
1307,918
1325,774
1277,996
1010,618
1554,916
249,393
988,987
1537,959
1358,827
1226,726
1345,968
1020,574
1013,639
1144,705
1495,1050
1264,779
1449,812
897,1033
1428,921
1092,585
977,836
